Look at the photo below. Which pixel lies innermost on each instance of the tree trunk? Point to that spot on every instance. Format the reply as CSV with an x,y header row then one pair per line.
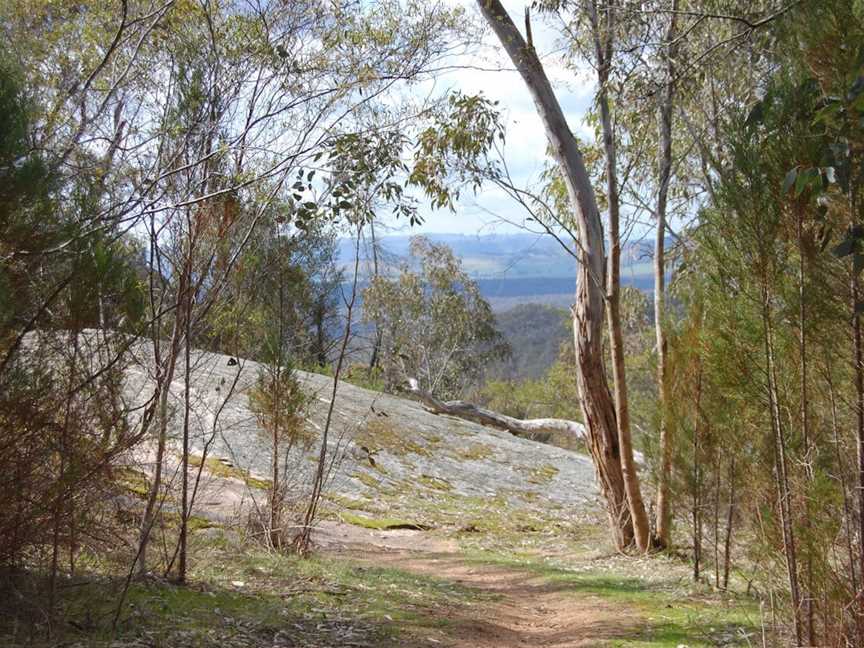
x,y
165,376
809,608
730,517
858,359
275,524
780,460
663,504
376,345
859,429
184,462
697,479
469,412
596,402
716,520
603,54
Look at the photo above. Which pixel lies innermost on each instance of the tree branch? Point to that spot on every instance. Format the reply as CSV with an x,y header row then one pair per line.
x,y
469,412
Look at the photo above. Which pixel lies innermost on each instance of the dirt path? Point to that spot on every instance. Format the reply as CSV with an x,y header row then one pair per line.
x,y
530,612
525,609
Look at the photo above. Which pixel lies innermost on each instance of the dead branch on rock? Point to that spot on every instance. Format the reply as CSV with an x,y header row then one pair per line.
x,y
468,411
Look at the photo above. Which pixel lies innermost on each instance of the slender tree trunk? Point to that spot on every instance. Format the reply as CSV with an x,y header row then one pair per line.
x,y
275,525
809,611
603,53
716,520
164,388
697,479
276,536
859,430
858,351
320,333
376,345
730,518
588,312
841,469
781,466
303,539
187,407
663,503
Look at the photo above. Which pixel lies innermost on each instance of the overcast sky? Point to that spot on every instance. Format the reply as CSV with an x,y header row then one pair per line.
x,y
525,150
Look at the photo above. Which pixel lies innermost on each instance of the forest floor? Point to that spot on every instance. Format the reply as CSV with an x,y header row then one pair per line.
x,y
377,588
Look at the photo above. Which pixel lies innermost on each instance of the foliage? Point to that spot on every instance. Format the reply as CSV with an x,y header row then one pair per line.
x,y
764,345
436,326
178,172
535,334
280,405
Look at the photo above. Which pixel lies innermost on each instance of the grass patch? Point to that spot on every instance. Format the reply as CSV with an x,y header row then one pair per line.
x,y
366,479
240,596
134,481
671,611
435,483
218,469
474,452
381,523
347,502
382,435
539,475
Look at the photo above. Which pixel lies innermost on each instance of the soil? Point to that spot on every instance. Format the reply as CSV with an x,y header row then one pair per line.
x,y
526,610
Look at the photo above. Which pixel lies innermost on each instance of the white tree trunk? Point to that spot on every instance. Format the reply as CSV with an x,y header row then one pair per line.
x,y
664,512
588,311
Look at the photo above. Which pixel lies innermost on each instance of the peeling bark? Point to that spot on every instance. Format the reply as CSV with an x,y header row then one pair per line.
x,y
603,54
588,312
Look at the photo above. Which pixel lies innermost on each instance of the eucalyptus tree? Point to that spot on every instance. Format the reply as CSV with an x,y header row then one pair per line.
x,y
436,327
189,122
598,408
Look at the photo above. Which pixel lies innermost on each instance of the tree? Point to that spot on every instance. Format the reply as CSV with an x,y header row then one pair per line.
x,y
436,327
597,404
279,403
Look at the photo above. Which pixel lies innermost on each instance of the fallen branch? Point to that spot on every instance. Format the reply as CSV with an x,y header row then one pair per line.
x,y
470,412
519,427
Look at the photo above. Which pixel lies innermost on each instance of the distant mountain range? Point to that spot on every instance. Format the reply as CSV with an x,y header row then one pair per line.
x,y
513,269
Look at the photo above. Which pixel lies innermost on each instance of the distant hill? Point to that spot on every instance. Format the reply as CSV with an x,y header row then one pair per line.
x,y
535,333
512,269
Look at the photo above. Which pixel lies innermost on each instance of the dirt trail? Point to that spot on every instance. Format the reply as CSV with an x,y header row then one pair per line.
x,y
530,612
525,611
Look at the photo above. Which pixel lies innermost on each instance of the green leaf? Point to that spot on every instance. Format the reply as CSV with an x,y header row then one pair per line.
x,y
807,179
789,180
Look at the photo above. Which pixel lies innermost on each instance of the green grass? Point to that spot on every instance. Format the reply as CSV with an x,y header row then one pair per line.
x,y
474,452
242,596
539,475
219,469
671,610
380,523
435,483
133,480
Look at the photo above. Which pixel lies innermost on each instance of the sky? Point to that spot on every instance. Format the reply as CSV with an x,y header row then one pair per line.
x,y
525,149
